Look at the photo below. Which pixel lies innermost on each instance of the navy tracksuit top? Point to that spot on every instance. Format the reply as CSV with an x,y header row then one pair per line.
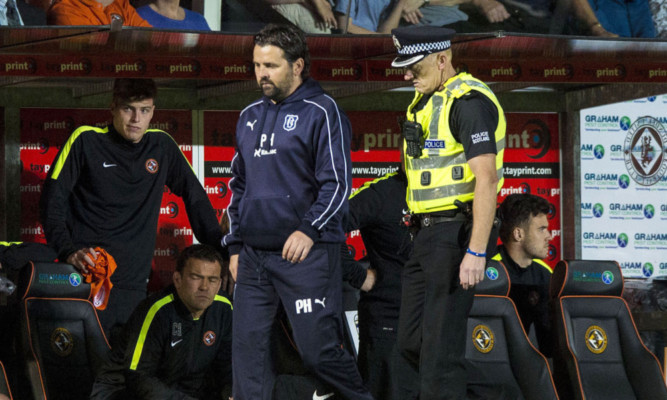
x,y
291,171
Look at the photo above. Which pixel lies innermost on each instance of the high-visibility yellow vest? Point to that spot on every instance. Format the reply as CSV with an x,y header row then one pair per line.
x,y
442,160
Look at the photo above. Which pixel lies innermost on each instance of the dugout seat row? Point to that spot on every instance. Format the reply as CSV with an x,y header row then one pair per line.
x,y
498,349
599,353
61,339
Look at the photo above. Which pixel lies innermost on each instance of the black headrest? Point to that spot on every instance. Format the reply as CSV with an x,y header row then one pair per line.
x,y
52,279
496,281
586,277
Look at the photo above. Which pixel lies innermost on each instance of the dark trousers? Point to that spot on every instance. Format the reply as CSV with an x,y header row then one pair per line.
x,y
386,373
311,294
434,310
122,303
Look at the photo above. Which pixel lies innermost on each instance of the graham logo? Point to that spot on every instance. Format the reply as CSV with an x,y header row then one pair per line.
x,y
74,279
651,99
170,210
644,151
62,342
209,338
607,277
625,123
622,240
152,166
649,211
631,265
594,121
535,135
598,151
290,122
598,210
492,273
596,339
647,270
483,339
624,181
591,277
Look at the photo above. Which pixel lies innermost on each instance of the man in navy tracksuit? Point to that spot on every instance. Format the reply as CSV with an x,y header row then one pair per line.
x,y
291,179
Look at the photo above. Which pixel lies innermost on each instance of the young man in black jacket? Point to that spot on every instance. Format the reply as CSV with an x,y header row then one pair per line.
x,y
177,343
105,189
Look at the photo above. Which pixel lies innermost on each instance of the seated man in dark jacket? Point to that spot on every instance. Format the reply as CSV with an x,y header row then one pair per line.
x,y
525,233
177,343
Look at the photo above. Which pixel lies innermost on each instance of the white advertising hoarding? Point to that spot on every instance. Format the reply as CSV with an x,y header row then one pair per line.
x,y
624,185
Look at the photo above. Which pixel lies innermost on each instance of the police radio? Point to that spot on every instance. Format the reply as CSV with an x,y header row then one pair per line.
x,y
414,138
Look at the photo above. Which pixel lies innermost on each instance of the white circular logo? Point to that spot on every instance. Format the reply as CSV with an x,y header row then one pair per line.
x,y
644,151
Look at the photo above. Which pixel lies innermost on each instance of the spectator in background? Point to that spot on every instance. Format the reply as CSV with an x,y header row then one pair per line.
x,y
311,16
93,12
625,18
168,14
9,13
381,16
659,11
542,16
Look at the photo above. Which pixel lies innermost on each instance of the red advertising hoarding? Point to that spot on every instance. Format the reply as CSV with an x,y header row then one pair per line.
x,y
531,165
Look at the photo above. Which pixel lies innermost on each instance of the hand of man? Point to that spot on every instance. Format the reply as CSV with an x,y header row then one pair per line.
x,y
81,259
471,271
297,247
369,282
328,20
410,10
234,265
492,10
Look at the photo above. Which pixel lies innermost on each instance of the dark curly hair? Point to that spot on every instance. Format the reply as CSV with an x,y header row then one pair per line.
x,y
517,210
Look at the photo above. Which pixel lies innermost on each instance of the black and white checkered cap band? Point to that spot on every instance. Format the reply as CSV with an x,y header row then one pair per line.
x,y
420,48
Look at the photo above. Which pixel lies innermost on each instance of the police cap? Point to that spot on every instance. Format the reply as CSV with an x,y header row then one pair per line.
x,y
415,43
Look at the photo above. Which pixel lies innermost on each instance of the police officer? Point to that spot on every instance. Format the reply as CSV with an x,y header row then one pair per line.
x,y
454,140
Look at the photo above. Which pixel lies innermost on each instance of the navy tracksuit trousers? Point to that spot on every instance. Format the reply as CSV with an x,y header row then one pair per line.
x,y
311,293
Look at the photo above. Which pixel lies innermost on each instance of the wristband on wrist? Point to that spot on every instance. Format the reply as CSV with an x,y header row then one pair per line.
x,y
474,253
